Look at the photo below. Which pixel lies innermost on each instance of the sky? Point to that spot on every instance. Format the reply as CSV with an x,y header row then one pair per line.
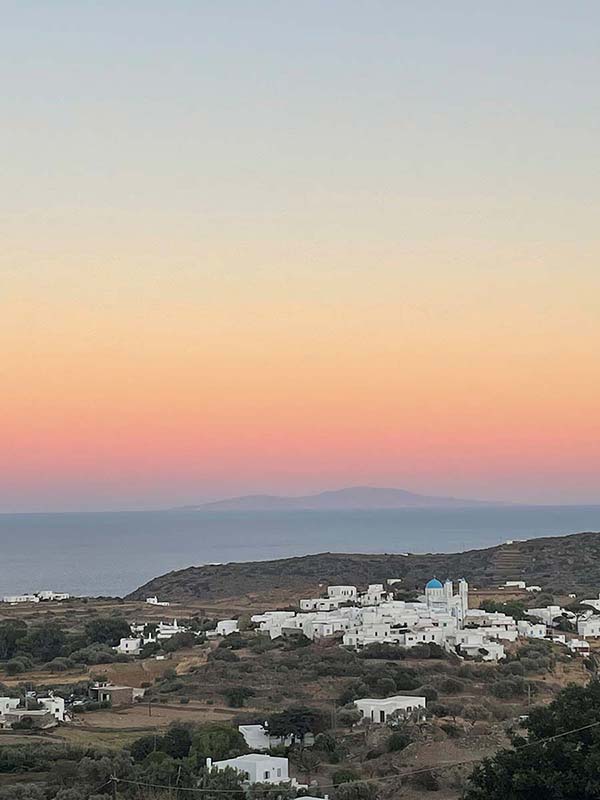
x,y
285,247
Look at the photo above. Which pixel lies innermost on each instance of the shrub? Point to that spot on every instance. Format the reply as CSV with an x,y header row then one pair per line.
x,y
15,666
353,691
429,693
383,650
347,717
426,780
356,790
236,695
58,665
451,686
343,776
508,687
398,741
223,655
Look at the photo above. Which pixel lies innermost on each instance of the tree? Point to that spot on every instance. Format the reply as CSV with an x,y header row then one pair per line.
x,y
145,745
107,630
343,776
217,742
514,608
296,722
565,768
307,762
177,741
179,641
237,695
356,790
220,781
11,634
45,642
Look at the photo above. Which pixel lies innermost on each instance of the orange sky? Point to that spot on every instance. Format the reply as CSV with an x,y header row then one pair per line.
x,y
296,259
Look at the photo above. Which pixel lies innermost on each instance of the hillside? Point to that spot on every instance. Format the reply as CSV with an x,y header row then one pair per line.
x,y
351,498
560,564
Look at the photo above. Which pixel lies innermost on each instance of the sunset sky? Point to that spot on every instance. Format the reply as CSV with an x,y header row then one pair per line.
x,y
284,247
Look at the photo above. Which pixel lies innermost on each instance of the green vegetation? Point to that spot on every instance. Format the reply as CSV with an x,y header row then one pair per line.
x,y
557,759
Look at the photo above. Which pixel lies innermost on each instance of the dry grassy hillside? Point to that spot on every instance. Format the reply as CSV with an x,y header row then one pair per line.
x,y
559,563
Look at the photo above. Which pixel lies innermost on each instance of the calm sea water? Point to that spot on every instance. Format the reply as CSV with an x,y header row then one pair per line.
x,y
114,553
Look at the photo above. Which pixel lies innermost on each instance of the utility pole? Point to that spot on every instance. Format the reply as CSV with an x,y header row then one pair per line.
x,y
114,787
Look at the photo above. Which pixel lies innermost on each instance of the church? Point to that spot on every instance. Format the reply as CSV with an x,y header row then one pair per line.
x,y
440,599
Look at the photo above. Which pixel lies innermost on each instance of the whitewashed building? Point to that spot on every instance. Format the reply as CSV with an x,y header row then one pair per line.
x,y
256,767
380,710
226,626
345,594
129,646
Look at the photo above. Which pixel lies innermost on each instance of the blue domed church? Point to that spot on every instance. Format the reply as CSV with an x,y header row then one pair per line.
x,y
440,598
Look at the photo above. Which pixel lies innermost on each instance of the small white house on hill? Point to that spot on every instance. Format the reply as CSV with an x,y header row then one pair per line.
x,y
379,710
256,767
226,626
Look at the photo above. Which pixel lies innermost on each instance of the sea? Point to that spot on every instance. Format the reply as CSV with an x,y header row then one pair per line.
x,y
113,553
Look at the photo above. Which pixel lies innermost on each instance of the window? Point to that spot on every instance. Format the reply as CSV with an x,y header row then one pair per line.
x,y
279,772
267,775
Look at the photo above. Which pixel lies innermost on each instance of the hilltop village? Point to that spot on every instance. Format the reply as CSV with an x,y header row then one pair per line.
x,y
333,694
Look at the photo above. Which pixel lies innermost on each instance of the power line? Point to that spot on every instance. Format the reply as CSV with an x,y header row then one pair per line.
x,y
384,779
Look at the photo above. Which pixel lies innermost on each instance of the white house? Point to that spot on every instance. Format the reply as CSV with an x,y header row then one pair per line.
x,y
379,710
579,646
52,712
589,627
533,630
154,601
342,593
595,603
320,604
55,705
533,588
515,585
129,646
549,613
256,767
226,626
56,596
257,738
21,598
374,595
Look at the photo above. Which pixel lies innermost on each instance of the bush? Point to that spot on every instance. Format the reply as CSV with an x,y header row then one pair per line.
x,y
15,666
356,790
347,717
506,688
237,695
386,686
353,691
58,665
223,655
179,641
96,654
429,693
398,741
383,650
343,776
451,686
426,780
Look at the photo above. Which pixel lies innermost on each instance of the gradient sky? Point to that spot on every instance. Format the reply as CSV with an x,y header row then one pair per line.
x,y
283,247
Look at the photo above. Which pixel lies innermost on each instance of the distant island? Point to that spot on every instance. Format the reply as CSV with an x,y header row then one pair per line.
x,y
349,499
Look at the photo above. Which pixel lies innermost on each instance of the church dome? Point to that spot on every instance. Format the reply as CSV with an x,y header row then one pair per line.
x,y
434,584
